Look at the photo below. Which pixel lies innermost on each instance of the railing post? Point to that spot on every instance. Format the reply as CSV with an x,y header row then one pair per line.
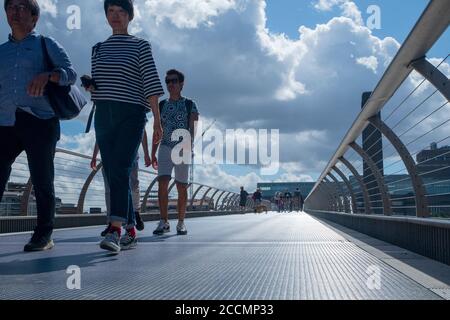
x,y
236,202
349,187
229,199
385,198
231,206
204,196
344,196
362,185
224,201
195,194
147,195
417,183
216,206
84,190
433,75
227,205
212,198
230,202
25,201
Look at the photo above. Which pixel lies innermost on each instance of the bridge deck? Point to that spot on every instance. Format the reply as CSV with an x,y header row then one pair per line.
x,y
273,256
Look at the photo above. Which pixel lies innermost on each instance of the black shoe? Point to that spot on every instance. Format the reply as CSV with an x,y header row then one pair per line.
x,y
139,223
39,242
104,232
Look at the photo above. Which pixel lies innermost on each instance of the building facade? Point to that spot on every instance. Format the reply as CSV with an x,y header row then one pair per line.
x,y
268,189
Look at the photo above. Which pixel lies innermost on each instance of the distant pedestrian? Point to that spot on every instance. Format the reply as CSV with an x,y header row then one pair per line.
x,y
297,199
302,202
257,198
243,199
288,201
277,199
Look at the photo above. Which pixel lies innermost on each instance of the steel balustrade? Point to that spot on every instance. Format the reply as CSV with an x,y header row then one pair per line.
x,y
410,57
80,171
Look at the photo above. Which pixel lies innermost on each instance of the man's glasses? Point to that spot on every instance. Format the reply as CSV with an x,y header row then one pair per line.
x,y
174,81
21,8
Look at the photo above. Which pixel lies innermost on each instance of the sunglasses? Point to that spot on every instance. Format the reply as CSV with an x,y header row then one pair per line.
x,y
174,81
21,8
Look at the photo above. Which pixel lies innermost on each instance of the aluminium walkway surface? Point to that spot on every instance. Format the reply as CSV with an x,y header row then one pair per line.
x,y
266,256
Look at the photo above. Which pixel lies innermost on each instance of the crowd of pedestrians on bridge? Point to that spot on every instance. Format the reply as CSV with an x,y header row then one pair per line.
x,y
284,201
288,202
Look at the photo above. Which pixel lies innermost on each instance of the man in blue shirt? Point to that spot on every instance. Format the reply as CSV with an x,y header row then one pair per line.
x,y
27,120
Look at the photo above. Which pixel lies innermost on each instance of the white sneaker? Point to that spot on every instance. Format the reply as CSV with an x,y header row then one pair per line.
x,y
163,227
111,242
128,242
181,228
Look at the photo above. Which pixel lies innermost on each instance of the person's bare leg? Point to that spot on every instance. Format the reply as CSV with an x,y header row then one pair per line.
x,y
182,201
163,198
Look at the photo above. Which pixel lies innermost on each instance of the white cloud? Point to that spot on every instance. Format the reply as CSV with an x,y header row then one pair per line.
x,y
310,137
80,143
187,14
294,172
49,6
327,5
348,8
214,176
370,63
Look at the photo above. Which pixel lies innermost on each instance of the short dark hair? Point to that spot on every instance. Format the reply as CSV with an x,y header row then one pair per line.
x,y
33,5
126,5
179,74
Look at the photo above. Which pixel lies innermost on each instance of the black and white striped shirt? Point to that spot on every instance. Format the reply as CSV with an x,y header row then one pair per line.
x,y
124,70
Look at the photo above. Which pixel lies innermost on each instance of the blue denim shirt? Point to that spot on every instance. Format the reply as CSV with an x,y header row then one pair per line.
x,y
20,62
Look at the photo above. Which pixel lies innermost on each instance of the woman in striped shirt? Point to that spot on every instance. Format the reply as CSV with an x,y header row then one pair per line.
x,y
126,86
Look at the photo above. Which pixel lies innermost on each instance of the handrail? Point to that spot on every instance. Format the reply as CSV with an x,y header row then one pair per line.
x,y
431,25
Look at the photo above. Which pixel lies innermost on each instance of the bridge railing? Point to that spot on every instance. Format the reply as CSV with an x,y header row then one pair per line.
x,y
80,190
394,159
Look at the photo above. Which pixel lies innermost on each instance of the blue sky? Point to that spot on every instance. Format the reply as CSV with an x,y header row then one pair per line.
x,y
398,18
286,15
245,75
